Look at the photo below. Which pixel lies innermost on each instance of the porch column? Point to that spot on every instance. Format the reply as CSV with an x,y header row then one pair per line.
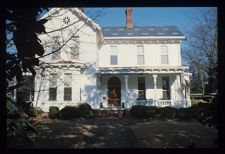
x,y
126,90
98,90
155,88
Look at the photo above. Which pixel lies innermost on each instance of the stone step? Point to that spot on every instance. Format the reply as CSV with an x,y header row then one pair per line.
x,y
110,113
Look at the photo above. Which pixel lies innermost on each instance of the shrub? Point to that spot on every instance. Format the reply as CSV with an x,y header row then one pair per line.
x,y
126,112
167,112
69,112
31,111
96,112
53,112
85,110
181,114
139,111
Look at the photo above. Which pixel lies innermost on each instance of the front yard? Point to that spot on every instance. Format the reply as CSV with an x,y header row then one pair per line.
x,y
120,132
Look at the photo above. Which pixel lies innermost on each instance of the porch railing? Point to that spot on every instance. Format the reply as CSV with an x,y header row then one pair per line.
x,y
148,102
163,103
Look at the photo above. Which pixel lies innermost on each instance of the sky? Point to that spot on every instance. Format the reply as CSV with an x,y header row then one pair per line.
x,y
148,16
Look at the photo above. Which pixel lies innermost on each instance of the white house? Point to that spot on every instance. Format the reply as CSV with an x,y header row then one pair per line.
x,y
109,67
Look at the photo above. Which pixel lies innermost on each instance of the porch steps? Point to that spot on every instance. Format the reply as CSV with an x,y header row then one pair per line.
x,y
110,113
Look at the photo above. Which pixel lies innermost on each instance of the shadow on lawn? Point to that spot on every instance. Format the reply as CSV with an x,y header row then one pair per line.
x,y
88,133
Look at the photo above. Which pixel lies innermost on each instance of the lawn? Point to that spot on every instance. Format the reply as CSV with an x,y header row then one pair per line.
x,y
119,132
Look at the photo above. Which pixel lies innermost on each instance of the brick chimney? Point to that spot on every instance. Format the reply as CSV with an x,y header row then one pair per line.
x,y
129,18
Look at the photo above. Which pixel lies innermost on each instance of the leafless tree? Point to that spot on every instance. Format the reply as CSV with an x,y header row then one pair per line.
x,y
201,49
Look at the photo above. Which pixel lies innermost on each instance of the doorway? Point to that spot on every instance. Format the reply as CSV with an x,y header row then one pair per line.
x,y
114,92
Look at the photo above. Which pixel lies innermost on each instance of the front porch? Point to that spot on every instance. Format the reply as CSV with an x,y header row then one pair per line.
x,y
141,88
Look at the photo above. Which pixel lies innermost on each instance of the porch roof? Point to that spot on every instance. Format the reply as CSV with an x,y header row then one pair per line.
x,y
143,70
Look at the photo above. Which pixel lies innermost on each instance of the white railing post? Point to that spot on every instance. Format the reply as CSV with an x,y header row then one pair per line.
x,y
155,88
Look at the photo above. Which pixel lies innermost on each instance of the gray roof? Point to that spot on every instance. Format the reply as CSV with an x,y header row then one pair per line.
x,y
141,31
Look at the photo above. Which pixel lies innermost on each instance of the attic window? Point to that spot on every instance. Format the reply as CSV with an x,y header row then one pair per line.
x,y
120,29
114,33
175,33
129,33
137,29
107,29
165,28
151,29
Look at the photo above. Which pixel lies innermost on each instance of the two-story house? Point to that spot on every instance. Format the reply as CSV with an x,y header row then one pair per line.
x,y
109,67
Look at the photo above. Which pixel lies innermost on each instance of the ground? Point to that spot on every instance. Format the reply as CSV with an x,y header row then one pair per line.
x,y
119,132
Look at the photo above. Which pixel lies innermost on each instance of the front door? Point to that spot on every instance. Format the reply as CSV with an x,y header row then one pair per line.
x,y
114,92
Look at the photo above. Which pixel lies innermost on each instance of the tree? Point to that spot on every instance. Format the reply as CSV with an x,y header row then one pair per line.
x,y
201,50
24,51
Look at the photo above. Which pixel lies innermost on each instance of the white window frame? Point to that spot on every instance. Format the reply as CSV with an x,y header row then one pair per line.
x,y
55,46
75,48
53,85
164,53
113,52
140,54
68,84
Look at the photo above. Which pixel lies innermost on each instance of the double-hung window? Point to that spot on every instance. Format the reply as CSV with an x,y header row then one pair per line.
x,y
164,54
113,55
140,55
166,88
55,46
67,86
141,88
75,48
53,87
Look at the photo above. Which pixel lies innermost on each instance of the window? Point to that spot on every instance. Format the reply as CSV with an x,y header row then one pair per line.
x,y
56,46
53,87
166,88
67,87
140,55
75,48
113,55
27,90
141,88
164,54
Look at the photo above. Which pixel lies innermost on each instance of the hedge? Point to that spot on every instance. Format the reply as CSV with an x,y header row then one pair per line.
x,y
141,111
82,110
53,112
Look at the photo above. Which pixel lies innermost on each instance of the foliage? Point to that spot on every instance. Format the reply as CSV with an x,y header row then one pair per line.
x,y
18,124
126,112
53,112
22,27
140,111
86,110
69,112
167,112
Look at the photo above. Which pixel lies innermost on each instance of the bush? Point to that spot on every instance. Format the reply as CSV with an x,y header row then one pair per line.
x,y
167,112
96,113
31,111
53,112
139,111
69,112
85,110
126,112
